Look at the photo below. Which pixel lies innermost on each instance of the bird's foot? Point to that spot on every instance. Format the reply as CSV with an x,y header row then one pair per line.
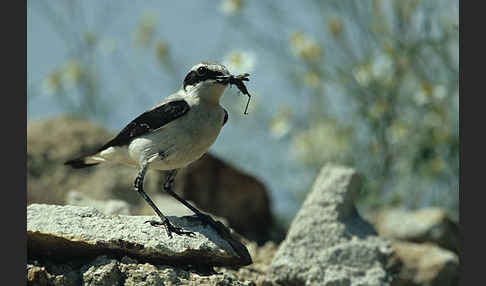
x,y
170,228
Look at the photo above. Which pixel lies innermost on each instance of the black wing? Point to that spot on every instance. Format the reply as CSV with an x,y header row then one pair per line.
x,y
148,121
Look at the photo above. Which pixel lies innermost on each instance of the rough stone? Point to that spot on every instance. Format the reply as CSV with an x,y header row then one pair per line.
x,y
40,276
103,269
37,276
426,264
69,232
328,242
128,271
102,272
424,225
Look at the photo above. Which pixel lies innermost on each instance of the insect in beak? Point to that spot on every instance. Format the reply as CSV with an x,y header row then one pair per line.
x,y
238,81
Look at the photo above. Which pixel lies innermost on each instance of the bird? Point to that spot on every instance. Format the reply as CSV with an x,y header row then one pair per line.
x,y
174,133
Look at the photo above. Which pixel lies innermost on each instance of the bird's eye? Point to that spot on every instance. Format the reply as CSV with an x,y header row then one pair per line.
x,y
202,70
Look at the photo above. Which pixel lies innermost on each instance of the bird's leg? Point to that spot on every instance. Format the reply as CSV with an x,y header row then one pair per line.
x,y
168,188
165,221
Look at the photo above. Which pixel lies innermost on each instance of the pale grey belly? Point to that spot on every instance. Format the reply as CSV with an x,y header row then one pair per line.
x,y
173,148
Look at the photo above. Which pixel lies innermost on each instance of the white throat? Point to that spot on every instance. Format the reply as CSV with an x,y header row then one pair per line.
x,y
207,92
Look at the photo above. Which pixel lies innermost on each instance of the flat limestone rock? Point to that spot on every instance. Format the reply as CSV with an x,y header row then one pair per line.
x,y
67,232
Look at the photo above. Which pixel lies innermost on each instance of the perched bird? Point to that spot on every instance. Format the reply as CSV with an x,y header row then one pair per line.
x,y
172,134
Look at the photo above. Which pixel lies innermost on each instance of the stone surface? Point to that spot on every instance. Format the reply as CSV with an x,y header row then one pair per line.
x,y
37,276
55,276
328,242
102,272
426,264
424,225
213,185
69,232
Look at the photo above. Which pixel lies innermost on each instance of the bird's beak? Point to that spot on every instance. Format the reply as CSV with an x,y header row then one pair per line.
x,y
231,79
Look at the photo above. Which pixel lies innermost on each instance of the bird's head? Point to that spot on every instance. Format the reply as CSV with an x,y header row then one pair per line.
x,y
204,76
210,79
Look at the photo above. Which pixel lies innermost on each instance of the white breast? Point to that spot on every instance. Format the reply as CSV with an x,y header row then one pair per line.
x,y
181,141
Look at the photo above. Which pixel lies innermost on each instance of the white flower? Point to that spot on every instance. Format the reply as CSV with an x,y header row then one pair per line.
x,y
239,62
305,47
421,97
323,141
231,7
397,132
362,74
382,68
439,92
281,124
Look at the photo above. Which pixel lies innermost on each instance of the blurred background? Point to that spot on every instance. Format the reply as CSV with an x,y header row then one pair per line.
x,y
369,84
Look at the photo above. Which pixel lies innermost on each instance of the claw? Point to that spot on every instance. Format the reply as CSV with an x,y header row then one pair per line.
x,y
170,228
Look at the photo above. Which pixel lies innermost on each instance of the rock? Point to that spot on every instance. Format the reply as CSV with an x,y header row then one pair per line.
x,y
38,276
69,232
146,275
57,276
425,225
426,264
102,272
328,243
45,154
108,207
130,272
213,185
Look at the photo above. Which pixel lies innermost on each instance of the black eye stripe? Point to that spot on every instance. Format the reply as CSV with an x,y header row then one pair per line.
x,y
190,79
194,77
